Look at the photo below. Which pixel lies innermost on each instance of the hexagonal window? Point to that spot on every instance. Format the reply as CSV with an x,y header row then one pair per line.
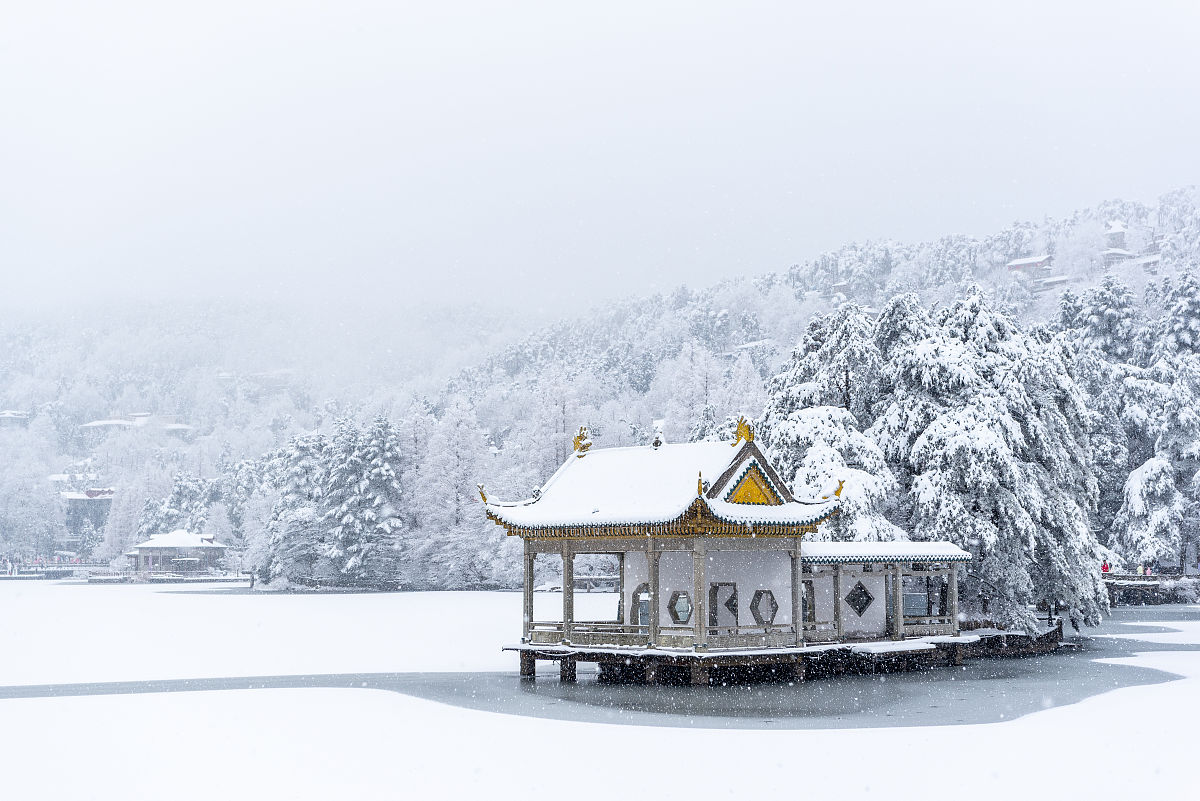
x,y
763,607
680,607
859,598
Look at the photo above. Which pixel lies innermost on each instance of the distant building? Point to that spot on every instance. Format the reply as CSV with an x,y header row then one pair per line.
x,y
1030,264
11,418
178,551
1114,236
1048,283
147,420
1115,250
89,507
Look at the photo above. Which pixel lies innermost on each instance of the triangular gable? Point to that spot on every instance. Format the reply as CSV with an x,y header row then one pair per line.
x,y
733,476
753,487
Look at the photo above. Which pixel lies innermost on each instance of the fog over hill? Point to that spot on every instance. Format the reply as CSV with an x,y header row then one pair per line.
x,y
202,408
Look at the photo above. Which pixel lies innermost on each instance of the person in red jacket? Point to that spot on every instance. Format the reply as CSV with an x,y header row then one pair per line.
x,y
1104,568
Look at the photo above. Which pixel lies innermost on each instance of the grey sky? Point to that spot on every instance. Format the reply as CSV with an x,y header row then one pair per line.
x,y
554,152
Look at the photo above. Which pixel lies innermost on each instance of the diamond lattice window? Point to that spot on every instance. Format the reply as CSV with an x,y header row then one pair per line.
x,y
859,598
680,607
764,607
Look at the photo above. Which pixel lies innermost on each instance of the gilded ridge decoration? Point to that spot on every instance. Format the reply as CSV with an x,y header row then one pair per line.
x,y
582,442
744,432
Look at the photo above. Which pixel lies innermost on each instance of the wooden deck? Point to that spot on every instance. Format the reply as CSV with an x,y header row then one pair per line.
x,y
788,663
1138,588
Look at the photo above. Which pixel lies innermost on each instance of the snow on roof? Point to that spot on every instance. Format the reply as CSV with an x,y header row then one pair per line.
x,y
93,494
1153,258
825,553
106,423
179,538
1117,252
644,485
1115,227
1026,262
14,413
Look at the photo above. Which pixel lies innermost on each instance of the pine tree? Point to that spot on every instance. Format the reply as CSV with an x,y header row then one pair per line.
x,y
384,501
186,507
1157,518
346,509
1180,329
837,363
295,550
990,432
819,448
1107,319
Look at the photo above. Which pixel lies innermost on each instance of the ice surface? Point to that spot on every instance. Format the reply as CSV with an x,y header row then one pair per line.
x,y
321,743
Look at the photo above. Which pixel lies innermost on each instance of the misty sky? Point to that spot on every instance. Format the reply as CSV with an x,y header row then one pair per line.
x,y
555,154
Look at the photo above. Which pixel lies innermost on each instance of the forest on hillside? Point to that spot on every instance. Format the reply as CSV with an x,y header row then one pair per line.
x,y
1043,430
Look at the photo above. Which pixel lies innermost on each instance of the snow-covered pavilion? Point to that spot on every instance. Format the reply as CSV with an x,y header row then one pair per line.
x,y
712,560
178,551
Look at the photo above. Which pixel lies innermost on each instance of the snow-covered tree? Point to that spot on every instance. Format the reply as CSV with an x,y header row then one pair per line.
x,y
295,548
1107,319
819,448
186,507
990,434
837,363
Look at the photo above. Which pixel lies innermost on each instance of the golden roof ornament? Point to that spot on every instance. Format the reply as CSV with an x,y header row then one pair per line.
x,y
699,485
482,494
744,431
837,493
582,442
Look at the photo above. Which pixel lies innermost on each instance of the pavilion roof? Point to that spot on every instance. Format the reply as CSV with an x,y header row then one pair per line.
x,y
180,538
647,485
896,551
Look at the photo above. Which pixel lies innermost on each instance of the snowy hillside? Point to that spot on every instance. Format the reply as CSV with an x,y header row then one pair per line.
x,y
238,422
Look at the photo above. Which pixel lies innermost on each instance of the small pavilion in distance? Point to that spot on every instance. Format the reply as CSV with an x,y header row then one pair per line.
x,y
714,567
177,551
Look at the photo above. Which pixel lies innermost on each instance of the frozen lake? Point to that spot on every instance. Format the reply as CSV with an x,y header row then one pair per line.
x,y
366,694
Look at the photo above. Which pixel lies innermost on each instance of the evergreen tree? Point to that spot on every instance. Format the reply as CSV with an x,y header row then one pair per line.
x,y
295,550
1107,319
186,507
837,363
819,448
384,501
347,509
990,431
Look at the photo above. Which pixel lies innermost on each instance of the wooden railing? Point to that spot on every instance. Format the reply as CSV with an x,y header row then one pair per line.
x,y
669,636
928,625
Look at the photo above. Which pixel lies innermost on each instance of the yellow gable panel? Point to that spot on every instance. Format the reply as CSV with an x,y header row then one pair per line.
x,y
754,488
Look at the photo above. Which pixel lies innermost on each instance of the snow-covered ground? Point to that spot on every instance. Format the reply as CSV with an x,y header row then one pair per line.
x,y
1128,733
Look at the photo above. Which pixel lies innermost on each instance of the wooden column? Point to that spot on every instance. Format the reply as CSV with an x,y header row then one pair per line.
x,y
528,665
952,597
527,593
652,561
700,596
837,602
621,588
797,607
897,603
566,669
568,589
